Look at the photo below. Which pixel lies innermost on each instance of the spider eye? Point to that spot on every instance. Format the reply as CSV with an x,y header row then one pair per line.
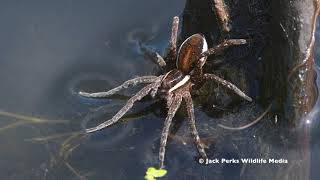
x,y
189,52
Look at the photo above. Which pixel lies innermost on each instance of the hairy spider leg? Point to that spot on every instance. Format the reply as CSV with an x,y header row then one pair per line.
x,y
154,56
222,16
169,99
126,84
227,84
192,123
165,131
222,46
138,96
174,36
172,49
215,51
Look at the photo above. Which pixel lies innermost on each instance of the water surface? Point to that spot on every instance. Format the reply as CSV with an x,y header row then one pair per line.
x,y
50,50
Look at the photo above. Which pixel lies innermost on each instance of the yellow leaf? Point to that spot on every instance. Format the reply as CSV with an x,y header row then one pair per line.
x,y
160,173
149,177
153,173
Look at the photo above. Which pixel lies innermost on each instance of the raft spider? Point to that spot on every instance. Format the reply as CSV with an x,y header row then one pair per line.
x,y
175,85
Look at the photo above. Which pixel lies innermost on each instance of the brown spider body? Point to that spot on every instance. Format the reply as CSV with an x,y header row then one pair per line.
x,y
188,54
176,85
190,51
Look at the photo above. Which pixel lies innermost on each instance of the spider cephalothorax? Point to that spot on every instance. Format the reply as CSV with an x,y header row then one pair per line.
x,y
175,86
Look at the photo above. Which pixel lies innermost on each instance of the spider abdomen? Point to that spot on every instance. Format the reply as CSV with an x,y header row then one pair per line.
x,y
190,51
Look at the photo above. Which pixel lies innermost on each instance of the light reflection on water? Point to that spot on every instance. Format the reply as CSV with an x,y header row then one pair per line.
x,y
51,50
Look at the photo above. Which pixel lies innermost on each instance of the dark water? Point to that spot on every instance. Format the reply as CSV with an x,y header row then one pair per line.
x,y
50,50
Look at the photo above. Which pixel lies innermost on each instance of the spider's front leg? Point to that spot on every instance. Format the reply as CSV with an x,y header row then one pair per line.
x,y
174,106
227,84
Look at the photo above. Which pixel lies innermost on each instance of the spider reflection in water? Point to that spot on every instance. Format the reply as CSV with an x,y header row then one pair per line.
x,y
175,86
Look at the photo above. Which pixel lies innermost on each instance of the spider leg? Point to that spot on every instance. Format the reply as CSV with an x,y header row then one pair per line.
x,y
222,16
171,51
169,99
153,55
142,93
222,46
126,84
227,84
174,35
165,131
192,124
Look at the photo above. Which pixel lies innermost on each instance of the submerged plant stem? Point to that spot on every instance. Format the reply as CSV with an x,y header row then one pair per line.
x,y
247,125
54,136
22,119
